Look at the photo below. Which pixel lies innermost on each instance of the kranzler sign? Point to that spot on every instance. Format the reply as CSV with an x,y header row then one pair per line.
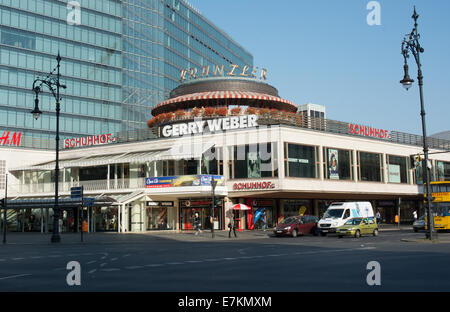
x,y
212,125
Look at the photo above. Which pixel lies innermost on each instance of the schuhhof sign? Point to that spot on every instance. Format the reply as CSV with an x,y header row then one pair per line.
x,y
89,141
368,131
260,185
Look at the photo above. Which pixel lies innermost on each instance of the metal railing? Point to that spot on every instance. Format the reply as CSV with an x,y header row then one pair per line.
x,y
312,123
92,185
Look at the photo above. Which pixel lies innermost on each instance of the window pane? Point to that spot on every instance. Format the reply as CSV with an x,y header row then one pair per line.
x,y
370,167
301,161
338,164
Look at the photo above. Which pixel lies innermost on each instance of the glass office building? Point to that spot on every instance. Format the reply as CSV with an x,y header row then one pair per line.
x,y
120,60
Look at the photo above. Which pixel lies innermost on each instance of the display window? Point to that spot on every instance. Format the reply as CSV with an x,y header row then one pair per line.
x,y
300,161
338,164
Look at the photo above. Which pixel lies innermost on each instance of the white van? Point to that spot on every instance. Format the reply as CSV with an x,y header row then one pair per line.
x,y
340,212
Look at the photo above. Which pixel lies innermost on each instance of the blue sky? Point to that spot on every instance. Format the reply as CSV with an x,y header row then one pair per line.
x,y
324,52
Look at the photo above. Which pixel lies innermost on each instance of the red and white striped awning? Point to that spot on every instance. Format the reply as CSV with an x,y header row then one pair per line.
x,y
224,95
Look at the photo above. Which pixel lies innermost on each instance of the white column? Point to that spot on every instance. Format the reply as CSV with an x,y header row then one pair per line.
x,y
107,178
119,219
355,167
321,173
115,176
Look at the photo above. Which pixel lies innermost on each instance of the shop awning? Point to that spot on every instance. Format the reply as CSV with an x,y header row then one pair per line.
x,y
225,95
183,150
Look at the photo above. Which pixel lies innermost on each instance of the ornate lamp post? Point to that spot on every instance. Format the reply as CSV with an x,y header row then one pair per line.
x,y
53,84
411,44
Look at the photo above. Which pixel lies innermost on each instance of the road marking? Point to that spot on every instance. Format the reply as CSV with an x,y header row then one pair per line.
x,y
90,262
92,271
212,259
55,256
114,259
110,270
153,265
174,263
103,264
37,257
193,261
18,258
14,276
229,258
127,255
134,267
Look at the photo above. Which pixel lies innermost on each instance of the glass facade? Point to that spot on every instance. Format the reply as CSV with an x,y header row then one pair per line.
x,y
253,161
123,58
338,164
300,161
370,168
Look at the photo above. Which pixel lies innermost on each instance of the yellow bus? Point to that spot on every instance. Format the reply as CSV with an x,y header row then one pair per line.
x,y
440,190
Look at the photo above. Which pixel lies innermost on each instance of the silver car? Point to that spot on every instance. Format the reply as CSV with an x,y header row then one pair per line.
x,y
419,224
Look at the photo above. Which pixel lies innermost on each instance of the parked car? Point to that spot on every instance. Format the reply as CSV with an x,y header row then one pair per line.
x,y
419,224
297,225
357,227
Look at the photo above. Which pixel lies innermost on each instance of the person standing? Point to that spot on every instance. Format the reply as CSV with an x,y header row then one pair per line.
x,y
378,216
232,227
415,215
264,220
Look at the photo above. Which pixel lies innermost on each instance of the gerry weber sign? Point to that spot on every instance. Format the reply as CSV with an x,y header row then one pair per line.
x,y
213,125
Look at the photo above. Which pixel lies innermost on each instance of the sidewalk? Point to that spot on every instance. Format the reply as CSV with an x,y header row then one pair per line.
x,y
35,238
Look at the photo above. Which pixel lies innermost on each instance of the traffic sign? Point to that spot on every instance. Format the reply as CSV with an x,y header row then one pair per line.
x,y
88,201
76,192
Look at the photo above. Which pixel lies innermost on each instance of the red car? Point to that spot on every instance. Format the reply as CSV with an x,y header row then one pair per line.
x,y
296,225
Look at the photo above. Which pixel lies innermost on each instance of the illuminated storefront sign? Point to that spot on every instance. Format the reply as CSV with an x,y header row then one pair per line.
x,y
89,141
186,180
369,131
233,70
10,139
263,185
213,125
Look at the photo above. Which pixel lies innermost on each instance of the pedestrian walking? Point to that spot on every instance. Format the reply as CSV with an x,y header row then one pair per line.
x,y
264,220
415,215
378,216
197,224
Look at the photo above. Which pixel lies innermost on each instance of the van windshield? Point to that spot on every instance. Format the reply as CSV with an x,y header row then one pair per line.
x,y
333,213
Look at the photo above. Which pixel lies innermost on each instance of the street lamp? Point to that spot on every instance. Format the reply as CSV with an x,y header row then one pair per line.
x,y
411,44
213,185
53,84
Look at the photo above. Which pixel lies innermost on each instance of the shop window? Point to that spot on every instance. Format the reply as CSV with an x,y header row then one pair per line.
x,y
212,161
443,171
397,172
300,161
369,167
337,164
253,161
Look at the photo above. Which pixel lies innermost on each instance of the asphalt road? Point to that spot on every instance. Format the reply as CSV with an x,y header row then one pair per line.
x,y
251,262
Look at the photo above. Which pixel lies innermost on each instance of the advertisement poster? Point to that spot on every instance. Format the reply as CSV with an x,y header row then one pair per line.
x,y
253,165
186,180
441,171
394,173
333,163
